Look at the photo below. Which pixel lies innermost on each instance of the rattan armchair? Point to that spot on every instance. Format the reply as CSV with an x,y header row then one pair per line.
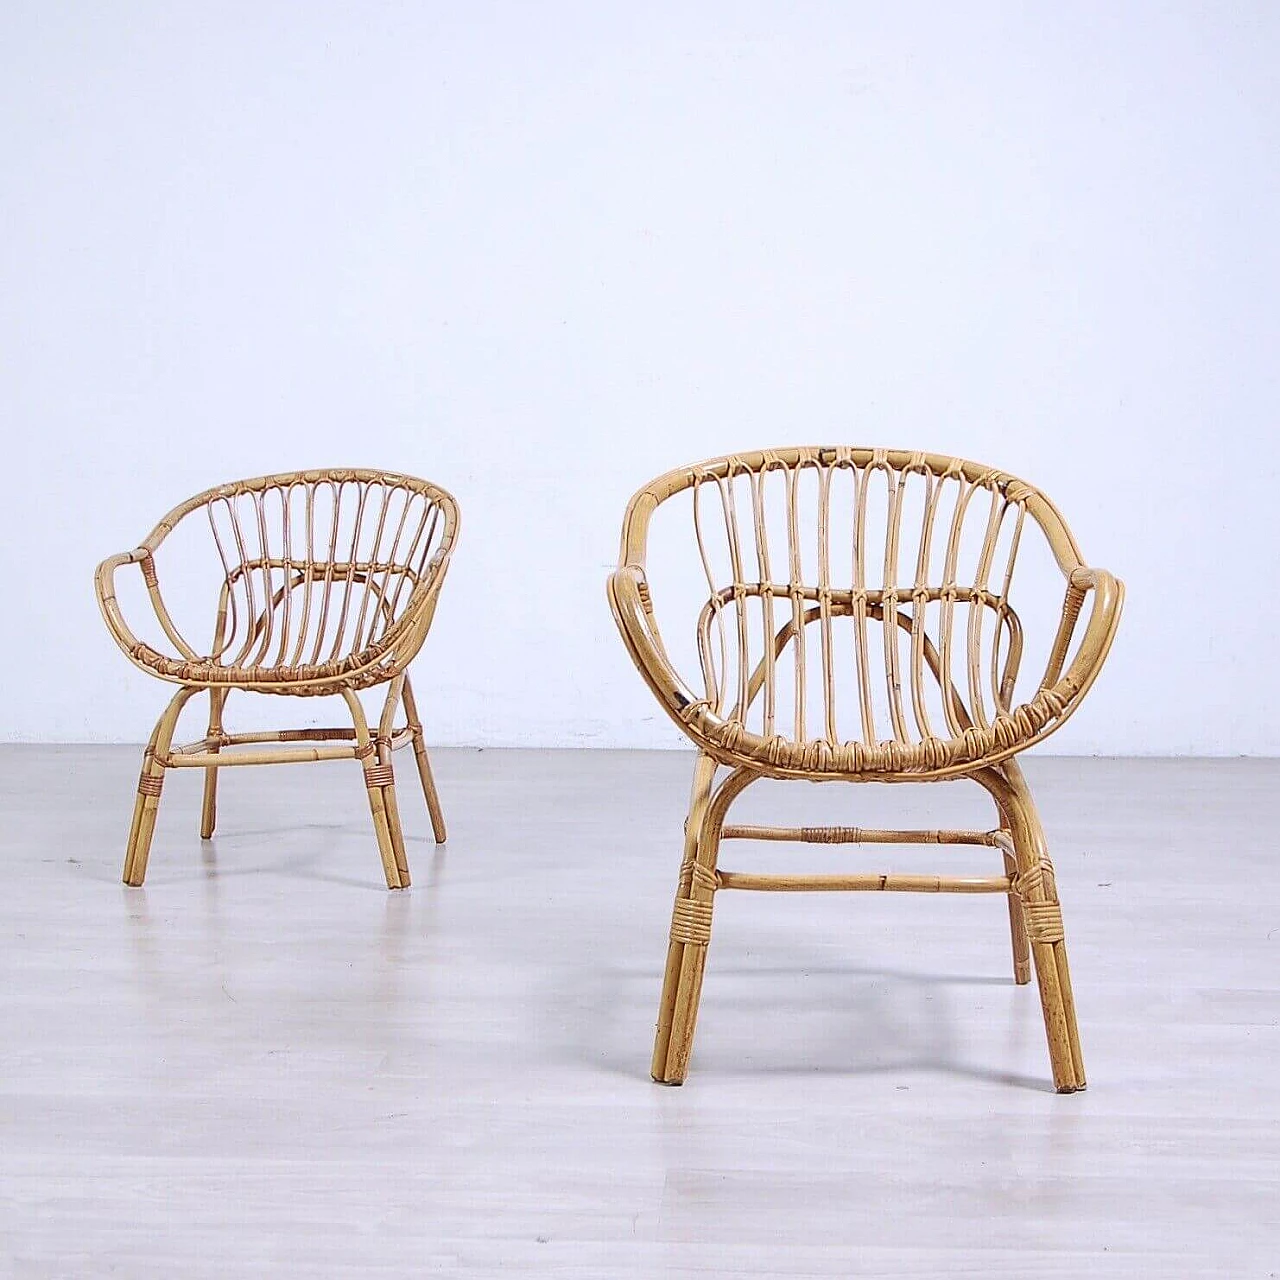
x,y
327,584
857,624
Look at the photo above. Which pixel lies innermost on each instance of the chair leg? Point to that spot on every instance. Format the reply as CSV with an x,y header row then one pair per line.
x,y
374,775
703,774
383,744
424,766
691,921
1017,928
150,784
209,806
1042,915
394,829
377,777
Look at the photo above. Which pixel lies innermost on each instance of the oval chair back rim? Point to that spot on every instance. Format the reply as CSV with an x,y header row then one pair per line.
x,y
367,665
728,739
649,497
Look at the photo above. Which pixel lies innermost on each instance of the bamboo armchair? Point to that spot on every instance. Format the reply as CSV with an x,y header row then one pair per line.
x,y
329,582
902,564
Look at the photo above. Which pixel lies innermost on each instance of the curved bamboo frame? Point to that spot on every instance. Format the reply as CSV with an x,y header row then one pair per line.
x,y
979,742
316,599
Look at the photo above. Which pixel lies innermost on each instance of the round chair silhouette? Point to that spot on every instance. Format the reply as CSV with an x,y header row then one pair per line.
x,y
854,622
326,583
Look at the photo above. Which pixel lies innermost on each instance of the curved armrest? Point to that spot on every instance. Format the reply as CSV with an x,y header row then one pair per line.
x,y
105,582
1100,630
633,612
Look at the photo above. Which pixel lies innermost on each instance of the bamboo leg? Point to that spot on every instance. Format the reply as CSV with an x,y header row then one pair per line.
x,y
424,766
374,774
139,806
209,806
1017,918
691,927
703,774
1017,929
395,829
385,728
392,810
150,782
1042,915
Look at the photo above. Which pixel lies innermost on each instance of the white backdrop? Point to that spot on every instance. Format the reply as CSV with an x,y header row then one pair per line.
x,y
539,253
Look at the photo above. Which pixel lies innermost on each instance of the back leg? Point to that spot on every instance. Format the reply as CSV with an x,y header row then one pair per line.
x,y
1017,920
209,806
424,765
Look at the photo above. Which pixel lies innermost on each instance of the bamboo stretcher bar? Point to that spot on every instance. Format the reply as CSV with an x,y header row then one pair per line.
x,y
296,755
217,741
860,835
886,883
197,757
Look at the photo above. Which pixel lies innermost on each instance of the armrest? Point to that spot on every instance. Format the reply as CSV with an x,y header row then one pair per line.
x,y
105,583
633,612
1100,630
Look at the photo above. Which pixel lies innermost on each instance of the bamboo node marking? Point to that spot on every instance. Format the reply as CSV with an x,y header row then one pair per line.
x,y
831,835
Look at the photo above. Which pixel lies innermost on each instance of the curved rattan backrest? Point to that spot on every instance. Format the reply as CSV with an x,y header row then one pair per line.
x,y
857,594
318,566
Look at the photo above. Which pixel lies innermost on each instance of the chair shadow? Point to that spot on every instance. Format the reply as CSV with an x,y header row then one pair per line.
x,y
884,1021
180,862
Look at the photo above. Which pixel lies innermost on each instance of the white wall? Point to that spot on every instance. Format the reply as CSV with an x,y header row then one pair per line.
x,y
540,253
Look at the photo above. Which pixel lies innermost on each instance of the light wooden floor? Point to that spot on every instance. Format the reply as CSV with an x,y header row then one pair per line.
x,y
263,1064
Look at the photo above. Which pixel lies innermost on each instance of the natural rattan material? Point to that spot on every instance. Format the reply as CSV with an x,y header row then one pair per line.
x,y
329,586
929,676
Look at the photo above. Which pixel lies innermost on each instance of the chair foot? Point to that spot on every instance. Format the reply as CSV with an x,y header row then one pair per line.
x,y
395,830
1036,889
150,783
1059,1016
209,805
380,783
681,994
1017,929
691,922
425,776
438,829
138,848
